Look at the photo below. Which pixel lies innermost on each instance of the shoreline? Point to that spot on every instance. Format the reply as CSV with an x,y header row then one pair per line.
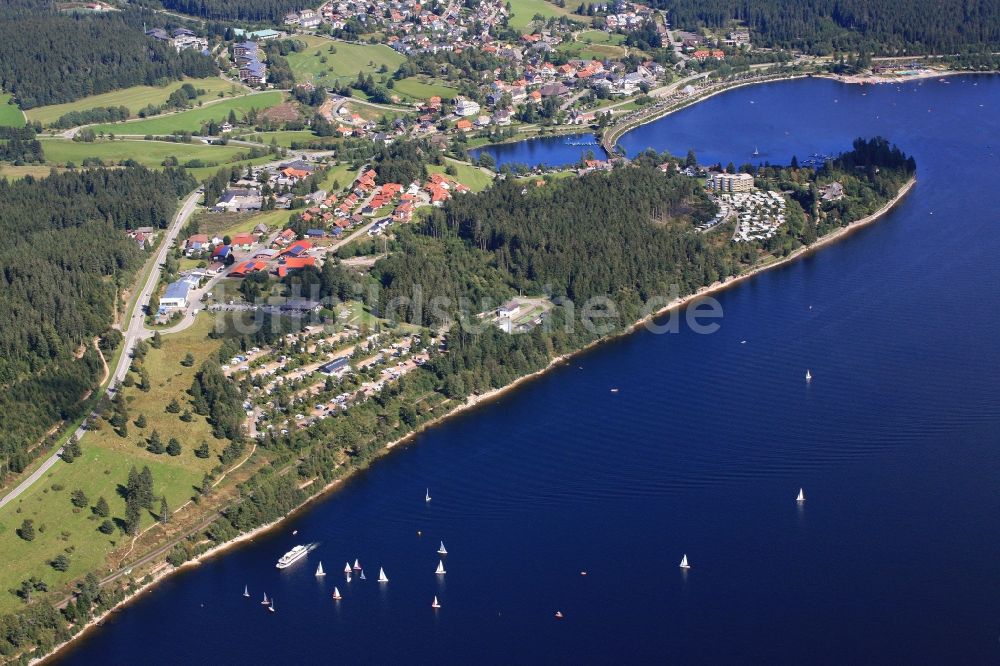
x,y
474,401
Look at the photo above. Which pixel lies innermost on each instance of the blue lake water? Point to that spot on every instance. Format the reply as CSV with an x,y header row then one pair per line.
x,y
552,151
894,557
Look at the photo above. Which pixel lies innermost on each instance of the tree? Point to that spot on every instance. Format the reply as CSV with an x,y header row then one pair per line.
x,y
72,450
140,421
202,450
155,444
107,527
157,340
174,407
27,530
60,562
691,160
188,360
174,447
79,498
164,511
101,508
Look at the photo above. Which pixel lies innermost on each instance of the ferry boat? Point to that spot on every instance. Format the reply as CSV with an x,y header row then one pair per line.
x,y
292,556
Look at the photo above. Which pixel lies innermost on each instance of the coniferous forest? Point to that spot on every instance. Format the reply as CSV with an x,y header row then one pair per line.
x,y
63,259
259,10
49,58
824,26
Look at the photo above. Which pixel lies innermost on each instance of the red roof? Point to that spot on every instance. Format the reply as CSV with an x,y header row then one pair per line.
x,y
248,267
295,263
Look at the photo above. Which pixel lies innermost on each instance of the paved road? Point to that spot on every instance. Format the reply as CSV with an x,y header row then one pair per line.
x,y
135,330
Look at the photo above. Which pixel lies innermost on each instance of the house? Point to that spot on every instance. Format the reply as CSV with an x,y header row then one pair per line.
x,y
315,233
195,243
466,107
297,248
832,192
463,125
338,367
247,267
176,295
221,253
295,263
239,200
243,241
509,309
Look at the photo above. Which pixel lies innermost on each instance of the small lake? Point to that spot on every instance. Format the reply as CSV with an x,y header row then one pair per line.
x,y
551,150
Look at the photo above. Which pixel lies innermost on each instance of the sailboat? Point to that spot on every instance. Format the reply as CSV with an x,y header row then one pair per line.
x,y
755,151
336,594
357,565
319,570
427,495
382,578
440,569
809,376
435,604
442,550
684,563
801,497
265,602
363,575
246,591
348,578
347,567
271,606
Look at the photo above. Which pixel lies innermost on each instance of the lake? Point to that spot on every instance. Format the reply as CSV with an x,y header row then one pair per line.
x,y
553,151
896,441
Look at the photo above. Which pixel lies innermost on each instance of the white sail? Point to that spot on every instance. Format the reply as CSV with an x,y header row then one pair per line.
x,y
440,569
442,550
357,565
684,563
427,495
246,591
336,594
348,578
271,607
801,497
363,575
808,376
347,567
319,570
382,578
265,602
435,603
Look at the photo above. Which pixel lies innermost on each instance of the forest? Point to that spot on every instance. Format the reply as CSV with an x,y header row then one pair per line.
x,y
822,27
259,10
50,58
63,259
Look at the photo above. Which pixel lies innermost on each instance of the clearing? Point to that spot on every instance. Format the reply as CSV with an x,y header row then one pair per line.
x,y
193,119
342,66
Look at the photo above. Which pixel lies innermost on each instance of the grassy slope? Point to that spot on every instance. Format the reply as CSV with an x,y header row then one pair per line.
x,y
104,465
416,89
595,44
524,10
472,177
344,64
285,138
193,119
10,115
134,98
148,153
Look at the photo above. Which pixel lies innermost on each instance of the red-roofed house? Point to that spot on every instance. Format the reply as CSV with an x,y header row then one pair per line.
x,y
248,267
243,241
294,263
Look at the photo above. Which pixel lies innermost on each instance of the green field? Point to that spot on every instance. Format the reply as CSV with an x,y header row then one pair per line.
x,y
474,178
594,44
193,119
286,138
147,153
10,115
343,65
135,98
343,174
524,10
103,467
421,90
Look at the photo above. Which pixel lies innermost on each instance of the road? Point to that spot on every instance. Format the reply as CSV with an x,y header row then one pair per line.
x,y
134,330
